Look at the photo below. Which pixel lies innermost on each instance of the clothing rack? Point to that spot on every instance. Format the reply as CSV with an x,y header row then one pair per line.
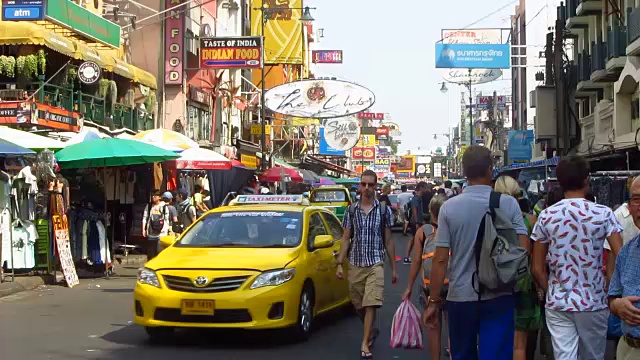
x,y
625,173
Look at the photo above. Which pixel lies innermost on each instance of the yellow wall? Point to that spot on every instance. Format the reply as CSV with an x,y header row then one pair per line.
x,y
283,31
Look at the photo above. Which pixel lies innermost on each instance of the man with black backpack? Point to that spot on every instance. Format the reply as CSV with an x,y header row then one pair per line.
x,y
155,223
485,233
186,211
366,240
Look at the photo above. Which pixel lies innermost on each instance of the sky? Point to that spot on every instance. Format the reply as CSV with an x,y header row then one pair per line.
x,y
389,47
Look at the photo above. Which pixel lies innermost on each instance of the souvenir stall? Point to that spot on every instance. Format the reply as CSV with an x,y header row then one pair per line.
x,y
611,188
17,237
113,176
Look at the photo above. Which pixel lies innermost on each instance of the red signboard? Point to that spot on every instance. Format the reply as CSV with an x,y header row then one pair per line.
x,y
31,113
366,153
383,130
370,116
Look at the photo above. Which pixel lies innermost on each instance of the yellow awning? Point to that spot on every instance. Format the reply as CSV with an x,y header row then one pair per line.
x,y
87,53
145,78
134,73
26,33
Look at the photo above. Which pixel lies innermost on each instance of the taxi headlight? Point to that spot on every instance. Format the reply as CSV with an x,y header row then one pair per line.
x,y
148,276
273,278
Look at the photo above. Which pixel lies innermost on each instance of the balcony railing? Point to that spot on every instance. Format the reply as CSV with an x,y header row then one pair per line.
x,y
584,66
633,24
616,40
93,108
598,56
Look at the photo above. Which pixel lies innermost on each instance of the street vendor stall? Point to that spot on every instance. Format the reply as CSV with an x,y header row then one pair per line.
x,y
101,154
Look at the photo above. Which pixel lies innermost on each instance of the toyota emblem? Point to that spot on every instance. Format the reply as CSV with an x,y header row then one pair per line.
x,y
200,281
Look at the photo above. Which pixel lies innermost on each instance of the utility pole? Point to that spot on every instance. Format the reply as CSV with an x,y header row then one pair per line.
x,y
470,110
561,95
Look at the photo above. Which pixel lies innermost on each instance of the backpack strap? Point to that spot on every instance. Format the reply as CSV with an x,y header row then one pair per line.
x,y
383,216
494,203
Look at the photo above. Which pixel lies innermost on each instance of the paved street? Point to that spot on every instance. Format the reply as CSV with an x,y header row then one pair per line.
x,y
93,321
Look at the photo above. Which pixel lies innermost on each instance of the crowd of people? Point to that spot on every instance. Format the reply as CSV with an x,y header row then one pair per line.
x,y
498,275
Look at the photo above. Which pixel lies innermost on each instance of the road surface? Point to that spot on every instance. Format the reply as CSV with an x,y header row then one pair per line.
x,y
93,321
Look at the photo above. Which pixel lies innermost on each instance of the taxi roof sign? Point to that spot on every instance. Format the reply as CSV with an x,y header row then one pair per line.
x,y
268,199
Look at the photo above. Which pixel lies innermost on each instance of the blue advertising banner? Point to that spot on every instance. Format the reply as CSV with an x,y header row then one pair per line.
x,y
325,149
520,145
473,56
22,10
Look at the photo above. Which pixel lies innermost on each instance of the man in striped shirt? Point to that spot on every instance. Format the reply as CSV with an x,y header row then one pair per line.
x,y
366,236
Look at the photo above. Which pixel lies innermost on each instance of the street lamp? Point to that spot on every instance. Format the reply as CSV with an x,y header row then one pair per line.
x,y
266,12
444,89
469,85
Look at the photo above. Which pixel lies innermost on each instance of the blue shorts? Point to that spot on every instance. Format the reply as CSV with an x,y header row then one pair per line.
x,y
482,330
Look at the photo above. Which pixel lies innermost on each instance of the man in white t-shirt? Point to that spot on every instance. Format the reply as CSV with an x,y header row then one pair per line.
x,y
404,198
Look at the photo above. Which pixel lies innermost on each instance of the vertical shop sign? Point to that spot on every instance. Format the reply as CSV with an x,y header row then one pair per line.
x,y
174,42
61,233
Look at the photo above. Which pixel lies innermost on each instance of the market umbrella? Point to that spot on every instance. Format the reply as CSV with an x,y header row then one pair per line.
x,y
202,159
324,181
87,134
29,140
346,181
166,139
9,148
309,176
280,173
109,152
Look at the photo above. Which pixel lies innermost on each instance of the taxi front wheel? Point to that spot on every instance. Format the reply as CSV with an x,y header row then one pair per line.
x,y
159,335
304,325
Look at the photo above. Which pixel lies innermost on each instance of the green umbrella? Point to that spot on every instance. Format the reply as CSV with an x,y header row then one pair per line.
x,y
345,181
110,152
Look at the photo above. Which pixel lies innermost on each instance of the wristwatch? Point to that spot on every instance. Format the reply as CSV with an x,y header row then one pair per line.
x,y
435,301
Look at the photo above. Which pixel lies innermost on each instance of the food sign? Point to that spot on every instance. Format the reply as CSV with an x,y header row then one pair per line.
x,y
367,153
231,52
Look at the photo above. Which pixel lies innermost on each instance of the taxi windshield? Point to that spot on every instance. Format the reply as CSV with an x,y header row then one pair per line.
x,y
329,196
249,229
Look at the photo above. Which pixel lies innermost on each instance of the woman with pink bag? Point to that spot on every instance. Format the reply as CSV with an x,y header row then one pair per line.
x,y
422,258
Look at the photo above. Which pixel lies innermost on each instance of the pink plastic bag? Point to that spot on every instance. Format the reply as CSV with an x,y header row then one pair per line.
x,y
406,331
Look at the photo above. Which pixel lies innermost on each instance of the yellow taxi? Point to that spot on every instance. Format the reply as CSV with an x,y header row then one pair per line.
x,y
262,262
332,197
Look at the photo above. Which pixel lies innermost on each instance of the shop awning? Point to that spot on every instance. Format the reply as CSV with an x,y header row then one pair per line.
x,y
546,162
27,33
85,52
29,140
202,159
316,164
134,73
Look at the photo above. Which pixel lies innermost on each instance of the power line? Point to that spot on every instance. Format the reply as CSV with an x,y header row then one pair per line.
x,y
490,14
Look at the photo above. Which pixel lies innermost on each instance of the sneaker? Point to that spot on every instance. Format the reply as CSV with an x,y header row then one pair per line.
x,y
406,261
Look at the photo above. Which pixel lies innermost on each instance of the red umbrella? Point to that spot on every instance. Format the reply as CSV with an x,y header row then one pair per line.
x,y
279,173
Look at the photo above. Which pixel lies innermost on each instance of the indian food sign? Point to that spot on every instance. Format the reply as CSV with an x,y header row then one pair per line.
x,y
231,52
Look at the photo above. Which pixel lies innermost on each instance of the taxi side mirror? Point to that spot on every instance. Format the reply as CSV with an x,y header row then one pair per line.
x,y
167,240
323,241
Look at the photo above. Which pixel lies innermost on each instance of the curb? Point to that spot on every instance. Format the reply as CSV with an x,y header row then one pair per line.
x,y
23,284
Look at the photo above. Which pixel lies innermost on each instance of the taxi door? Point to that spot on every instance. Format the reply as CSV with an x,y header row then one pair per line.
x,y
321,262
339,288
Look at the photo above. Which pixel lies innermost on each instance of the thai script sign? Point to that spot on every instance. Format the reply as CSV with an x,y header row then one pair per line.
x,y
473,56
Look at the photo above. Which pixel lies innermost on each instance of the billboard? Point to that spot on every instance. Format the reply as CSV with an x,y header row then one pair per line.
x,y
472,36
326,56
325,148
364,153
407,164
341,133
520,149
282,30
383,151
318,98
231,52
473,56
22,10
366,140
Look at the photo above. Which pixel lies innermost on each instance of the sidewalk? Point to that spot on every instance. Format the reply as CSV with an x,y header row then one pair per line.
x,y
124,267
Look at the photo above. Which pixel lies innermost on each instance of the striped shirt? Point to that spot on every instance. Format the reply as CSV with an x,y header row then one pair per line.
x,y
367,244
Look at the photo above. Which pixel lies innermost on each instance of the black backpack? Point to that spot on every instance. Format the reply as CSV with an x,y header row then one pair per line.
x,y
156,225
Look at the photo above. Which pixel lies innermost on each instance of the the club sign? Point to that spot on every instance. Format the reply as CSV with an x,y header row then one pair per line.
x,y
231,52
319,99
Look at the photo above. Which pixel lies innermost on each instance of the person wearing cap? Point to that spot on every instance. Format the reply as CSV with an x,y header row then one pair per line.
x,y
167,197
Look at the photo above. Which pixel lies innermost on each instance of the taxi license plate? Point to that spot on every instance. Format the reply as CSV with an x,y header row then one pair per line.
x,y
197,307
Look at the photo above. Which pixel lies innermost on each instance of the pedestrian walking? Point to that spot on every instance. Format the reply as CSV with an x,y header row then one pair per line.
x,y
416,217
528,318
423,253
624,289
404,198
569,238
167,198
481,323
186,211
365,242
155,223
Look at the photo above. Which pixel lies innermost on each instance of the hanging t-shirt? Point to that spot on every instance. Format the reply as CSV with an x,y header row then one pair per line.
x,y
23,237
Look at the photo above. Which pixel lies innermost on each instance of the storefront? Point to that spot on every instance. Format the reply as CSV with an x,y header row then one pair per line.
x,y
44,65
200,122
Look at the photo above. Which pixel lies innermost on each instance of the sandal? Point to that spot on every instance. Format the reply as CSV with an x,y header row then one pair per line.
x,y
366,355
374,337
